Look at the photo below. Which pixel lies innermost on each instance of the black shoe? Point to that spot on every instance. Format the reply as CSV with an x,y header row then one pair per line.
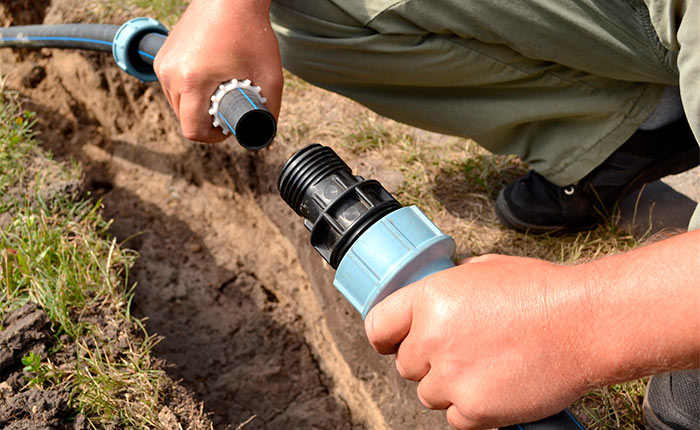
x,y
672,401
533,204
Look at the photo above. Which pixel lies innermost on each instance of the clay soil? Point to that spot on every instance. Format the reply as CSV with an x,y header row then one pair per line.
x,y
250,321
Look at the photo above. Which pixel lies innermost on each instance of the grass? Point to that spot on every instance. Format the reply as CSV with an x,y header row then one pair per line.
x,y
55,251
14,135
165,11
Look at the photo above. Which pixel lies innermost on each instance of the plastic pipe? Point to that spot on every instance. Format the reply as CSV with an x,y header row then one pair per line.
x,y
376,246
95,37
134,46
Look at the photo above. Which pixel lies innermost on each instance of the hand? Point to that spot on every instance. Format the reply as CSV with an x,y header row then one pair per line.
x,y
494,341
216,41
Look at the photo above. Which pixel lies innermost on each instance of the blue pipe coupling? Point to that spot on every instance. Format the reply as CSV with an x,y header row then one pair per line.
x,y
375,245
125,47
399,249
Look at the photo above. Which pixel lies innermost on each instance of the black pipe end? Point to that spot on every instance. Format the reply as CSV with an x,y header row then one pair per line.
x,y
256,129
337,206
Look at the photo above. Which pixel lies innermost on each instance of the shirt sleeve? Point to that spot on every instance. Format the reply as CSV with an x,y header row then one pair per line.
x,y
689,63
695,220
676,24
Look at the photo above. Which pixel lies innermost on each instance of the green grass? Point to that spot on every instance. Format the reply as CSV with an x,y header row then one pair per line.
x,y
55,251
14,135
166,11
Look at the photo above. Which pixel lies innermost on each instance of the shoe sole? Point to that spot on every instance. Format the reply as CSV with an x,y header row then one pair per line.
x,y
679,163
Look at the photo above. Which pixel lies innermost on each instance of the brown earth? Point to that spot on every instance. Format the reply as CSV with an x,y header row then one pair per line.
x,y
27,331
250,320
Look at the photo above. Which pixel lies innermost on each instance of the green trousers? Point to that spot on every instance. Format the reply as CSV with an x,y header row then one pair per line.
x,y
560,83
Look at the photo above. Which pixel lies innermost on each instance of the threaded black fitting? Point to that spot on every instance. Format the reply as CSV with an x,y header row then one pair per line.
x,y
337,207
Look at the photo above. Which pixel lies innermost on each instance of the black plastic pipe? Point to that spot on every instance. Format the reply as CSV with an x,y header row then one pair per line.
x,y
239,111
94,37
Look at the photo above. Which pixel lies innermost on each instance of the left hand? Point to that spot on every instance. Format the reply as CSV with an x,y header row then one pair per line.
x,y
496,341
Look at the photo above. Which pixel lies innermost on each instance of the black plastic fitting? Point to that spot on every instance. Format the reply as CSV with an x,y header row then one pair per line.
x,y
337,207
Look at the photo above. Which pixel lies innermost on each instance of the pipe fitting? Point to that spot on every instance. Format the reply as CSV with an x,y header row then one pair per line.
x,y
125,47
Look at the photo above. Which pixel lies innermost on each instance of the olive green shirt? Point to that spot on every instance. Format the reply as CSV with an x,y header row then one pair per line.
x,y
677,24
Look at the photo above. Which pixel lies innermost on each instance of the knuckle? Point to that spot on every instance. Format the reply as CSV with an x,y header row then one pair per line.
x,y
190,80
469,417
457,420
401,367
370,329
193,133
425,398
163,72
277,82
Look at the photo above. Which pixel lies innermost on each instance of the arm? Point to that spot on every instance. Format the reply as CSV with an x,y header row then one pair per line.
x,y
501,340
216,41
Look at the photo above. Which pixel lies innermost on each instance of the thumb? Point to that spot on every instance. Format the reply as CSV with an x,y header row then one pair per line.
x,y
389,322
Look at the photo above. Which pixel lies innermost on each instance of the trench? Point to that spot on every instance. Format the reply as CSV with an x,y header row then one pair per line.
x,y
249,320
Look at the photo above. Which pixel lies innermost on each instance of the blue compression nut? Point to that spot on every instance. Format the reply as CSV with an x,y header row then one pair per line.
x,y
402,247
125,46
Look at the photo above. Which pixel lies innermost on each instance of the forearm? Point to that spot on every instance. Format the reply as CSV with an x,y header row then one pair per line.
x,y
643,311
232,21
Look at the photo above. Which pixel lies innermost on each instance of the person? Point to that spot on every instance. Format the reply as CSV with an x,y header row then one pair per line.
x,y
598,96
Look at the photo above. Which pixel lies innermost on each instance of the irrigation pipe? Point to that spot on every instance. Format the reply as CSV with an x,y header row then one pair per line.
x,y
238,106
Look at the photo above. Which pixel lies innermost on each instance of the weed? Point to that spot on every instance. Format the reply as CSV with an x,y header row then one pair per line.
x,y
31,362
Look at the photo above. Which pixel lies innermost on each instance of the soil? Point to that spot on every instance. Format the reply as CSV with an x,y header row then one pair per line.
x,y
251,323
27,331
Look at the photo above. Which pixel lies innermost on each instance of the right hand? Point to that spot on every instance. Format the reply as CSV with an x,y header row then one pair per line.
x,y
216,41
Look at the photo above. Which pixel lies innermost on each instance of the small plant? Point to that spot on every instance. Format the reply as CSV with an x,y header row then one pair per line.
x,y
36,370
31,362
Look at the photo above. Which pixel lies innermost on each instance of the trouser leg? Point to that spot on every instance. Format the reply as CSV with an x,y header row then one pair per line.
x,y
561,84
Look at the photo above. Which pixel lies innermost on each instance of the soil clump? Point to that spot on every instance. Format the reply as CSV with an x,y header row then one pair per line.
x,y
26,331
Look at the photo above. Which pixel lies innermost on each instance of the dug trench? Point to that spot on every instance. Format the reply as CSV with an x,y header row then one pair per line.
x,y
250,321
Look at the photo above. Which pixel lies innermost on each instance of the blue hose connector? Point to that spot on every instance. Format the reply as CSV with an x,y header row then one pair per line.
x,y
375,245
125,46
399,249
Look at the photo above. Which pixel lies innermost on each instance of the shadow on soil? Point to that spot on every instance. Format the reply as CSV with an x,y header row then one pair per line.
x,y
225,333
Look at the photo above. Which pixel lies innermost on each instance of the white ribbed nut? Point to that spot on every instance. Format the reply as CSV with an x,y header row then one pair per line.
x,y
226,88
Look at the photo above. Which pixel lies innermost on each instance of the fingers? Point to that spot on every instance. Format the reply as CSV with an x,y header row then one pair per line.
x,y
411,362
432,392
389,322
198,124
190,100
480,259
457,420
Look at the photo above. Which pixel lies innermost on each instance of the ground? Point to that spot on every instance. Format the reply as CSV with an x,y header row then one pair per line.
x,y
250,322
